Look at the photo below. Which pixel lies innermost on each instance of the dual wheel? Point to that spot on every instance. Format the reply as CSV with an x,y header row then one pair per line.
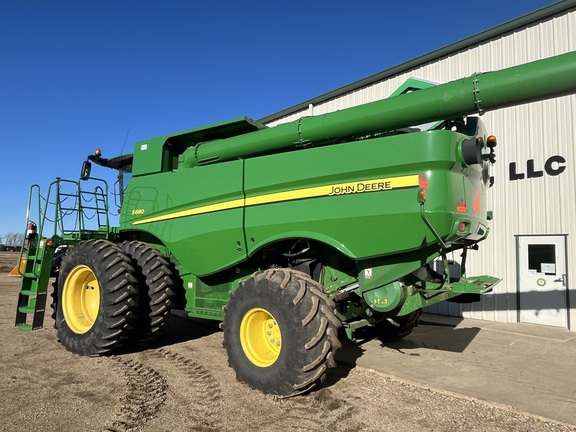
x,y
107,295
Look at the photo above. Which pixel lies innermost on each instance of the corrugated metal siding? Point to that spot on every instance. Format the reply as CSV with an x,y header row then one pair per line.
x,y
535,131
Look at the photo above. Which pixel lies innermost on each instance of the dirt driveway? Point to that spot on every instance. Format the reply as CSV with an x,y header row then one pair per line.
x,y
184,384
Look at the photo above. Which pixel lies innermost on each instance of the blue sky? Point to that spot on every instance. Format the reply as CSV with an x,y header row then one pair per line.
x,y
80,75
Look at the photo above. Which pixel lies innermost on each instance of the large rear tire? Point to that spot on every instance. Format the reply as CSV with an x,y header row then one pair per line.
x,y
97,298
157,286
280,332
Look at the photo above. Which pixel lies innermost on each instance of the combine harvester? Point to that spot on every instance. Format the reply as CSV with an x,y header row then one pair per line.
x,y
293,236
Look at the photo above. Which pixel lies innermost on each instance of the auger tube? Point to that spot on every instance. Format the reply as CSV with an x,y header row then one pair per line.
x,y
481,92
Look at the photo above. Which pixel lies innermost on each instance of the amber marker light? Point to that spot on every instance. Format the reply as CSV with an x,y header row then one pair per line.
x,y
98,152
491,141
422,195
50,243
461,207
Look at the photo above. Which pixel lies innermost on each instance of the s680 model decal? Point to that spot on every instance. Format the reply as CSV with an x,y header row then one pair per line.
x,y
363,186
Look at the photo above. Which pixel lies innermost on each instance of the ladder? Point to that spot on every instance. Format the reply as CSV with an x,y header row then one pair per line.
x,y
66,206
34,287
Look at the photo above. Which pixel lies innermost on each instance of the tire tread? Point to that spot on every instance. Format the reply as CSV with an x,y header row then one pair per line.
x,y
289,293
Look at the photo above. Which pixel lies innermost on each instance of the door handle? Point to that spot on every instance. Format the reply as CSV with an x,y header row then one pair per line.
x,y
562,279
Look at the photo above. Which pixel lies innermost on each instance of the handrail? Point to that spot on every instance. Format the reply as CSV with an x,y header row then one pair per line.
x,y
28,220
64,212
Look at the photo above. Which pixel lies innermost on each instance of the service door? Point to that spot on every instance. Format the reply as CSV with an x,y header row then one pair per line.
x,y
542,280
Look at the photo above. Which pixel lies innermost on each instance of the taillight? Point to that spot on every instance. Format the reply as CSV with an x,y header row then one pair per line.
x,y
423,188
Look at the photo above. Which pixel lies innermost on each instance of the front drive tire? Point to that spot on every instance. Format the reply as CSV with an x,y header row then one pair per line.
x,y
97,298
157,286
280,332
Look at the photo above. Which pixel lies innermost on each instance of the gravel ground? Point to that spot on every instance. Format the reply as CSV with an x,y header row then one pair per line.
x,y
184,384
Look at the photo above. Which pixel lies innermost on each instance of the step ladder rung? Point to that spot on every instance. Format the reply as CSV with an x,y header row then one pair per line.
x,y
30,309
34,291
30,275
24,327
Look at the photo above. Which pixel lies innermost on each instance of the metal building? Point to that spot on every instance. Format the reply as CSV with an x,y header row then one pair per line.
x,y
532,244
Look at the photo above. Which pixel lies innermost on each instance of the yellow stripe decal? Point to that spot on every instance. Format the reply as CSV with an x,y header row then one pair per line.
x,y
226,205
319,191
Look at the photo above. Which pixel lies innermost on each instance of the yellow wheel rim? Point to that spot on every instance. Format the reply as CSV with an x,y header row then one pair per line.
x,y
80,299
260,337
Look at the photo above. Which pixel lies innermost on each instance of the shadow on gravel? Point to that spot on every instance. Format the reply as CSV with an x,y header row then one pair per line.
x,y
340,372
180,328
350,352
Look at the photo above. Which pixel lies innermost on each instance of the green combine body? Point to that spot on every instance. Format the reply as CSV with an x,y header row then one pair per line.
x,y
293,236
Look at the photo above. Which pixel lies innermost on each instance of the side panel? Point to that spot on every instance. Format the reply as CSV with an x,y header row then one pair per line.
x,y
198,213
352,196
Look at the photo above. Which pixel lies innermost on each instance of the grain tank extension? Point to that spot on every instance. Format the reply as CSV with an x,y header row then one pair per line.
x,y
293,236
